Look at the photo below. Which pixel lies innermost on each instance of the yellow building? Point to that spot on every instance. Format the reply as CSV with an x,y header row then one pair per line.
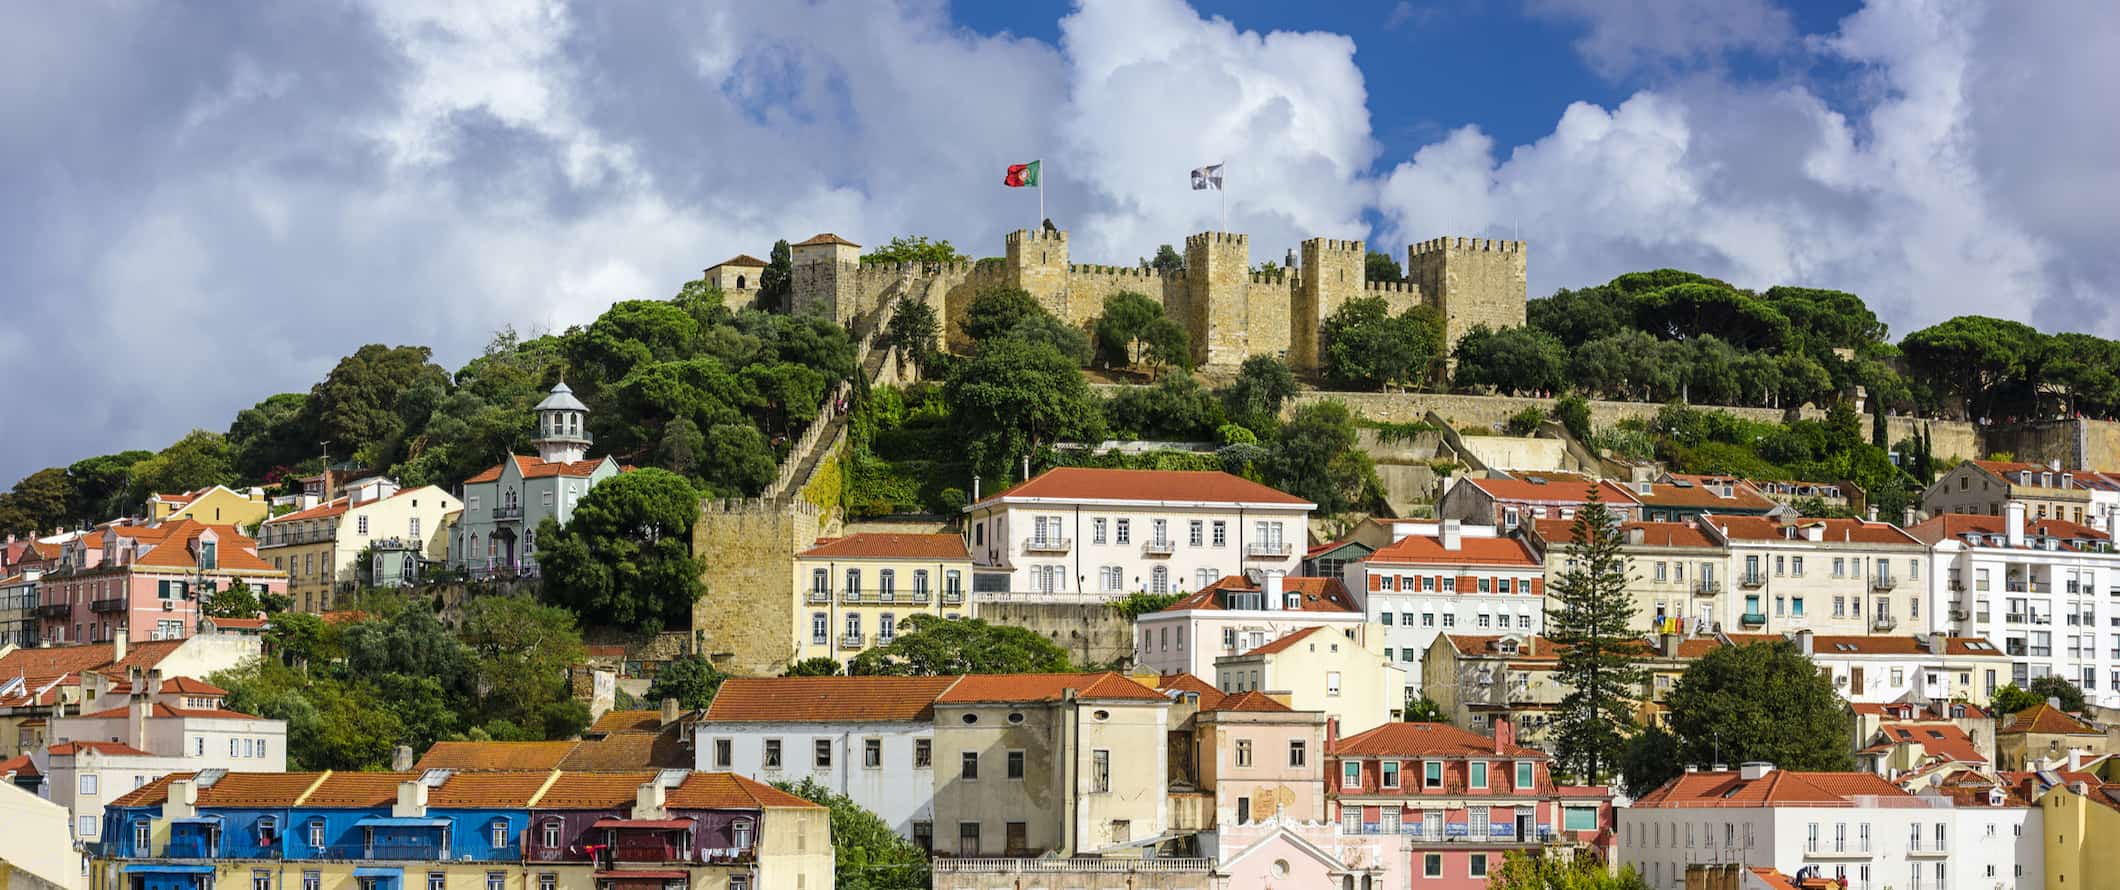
x,y
1322,669
218,505
2080,826
1983,487
321,546
2043,737
858,590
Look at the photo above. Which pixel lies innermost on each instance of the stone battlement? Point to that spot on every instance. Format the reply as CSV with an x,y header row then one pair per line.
x,y
1228,238
1437,245
1278,276
1121,271
1391,287
1035,235
1358,248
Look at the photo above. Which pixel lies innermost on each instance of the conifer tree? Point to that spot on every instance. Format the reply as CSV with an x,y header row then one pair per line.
x,y
1599,657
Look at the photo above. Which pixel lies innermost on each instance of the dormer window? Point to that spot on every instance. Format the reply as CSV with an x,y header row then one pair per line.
x,y
1295,601
550,834
500,833
268,828
208,555
740,833
316,833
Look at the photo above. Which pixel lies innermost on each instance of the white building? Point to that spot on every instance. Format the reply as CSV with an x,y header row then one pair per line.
x,y
869,738
97,756
1234,616
1095,533
1445,577
2046,591
1908,667
1853,826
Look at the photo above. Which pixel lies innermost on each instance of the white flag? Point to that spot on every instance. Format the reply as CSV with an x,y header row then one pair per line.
x,y
1209,177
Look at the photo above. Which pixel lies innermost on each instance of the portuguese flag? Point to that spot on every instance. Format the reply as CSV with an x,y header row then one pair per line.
x,y
1021,175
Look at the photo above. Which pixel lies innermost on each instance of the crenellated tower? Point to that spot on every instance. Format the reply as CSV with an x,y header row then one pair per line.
x,y
1331,275
1037,263
1217,280
1471,281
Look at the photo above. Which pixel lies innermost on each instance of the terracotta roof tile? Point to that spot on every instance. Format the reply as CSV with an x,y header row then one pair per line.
x,y
1940,739
594,790
742,259
488,789
827,699
172,686
261,789
1091,484
20,765
627,721
664,749
1779,787
1044,688
1957,526
352,789
718,791
1424,550
1319,594
1252,700
1559,532
1286,642
1898,645
1837,531
1533,647
876,545
495,755
159,710
823,238
152,793
333,507
2045,718
1704,492
1425,740
1185,682
1552,488
238,623
107,749
532,468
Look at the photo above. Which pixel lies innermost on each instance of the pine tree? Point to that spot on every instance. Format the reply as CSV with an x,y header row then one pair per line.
x,y
1598,662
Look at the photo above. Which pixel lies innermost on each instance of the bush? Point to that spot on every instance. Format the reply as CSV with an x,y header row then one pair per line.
x,y
1525,422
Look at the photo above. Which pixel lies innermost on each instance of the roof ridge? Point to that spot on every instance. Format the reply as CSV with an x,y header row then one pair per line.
x,y
312,789
539,794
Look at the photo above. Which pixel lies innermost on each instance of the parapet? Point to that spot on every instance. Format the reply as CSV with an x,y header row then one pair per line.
x,y
1330,245
1228,238
1392,287
1439,245
1119,271
1277,276
1022,235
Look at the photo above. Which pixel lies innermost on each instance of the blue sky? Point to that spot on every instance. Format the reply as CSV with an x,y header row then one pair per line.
x,y
210,204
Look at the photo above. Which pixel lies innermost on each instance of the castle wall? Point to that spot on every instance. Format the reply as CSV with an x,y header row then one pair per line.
x,y
1472,281
1037,263
1088,286
1217,268
1265,325
1331,275
745,621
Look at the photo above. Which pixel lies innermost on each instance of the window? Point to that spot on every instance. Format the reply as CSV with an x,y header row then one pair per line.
x,y
312,880
1297,752
1390,770
86,827
142,839
740,833
316,833
721,753
1123,532
1523,775
1196,533
500,834
872,753
88,784
886,627
549,836
1479,865
968,834
1350,774
968,768
1096,530
1015,764
1479,773
1221,533
549,881
1432,774
496,880
853,587
1432,865
1159,532
1100,771
1332,682
771,757
360,525
821,753
820,629
1159,580
1243,752
923,753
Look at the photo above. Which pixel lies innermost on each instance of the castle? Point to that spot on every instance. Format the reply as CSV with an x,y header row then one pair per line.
x,y
1231,312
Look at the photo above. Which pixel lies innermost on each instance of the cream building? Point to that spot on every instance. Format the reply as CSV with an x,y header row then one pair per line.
x,y
1236,615
1675,571
1096,534
1844,577
1258,759
320,547
858,590
1982,487
1029,765
36,852
1321,669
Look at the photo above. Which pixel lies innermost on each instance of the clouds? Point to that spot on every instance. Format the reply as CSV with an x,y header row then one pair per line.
x,y
1624,35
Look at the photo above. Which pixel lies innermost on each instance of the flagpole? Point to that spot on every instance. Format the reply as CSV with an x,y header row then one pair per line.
x,y
1041,191
1223,191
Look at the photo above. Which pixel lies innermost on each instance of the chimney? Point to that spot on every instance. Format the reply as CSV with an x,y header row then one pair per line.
x,y
1803,641
1332,734
2054,702
1909,516
1504,735
183,800
117,643
648,801
1452,535
2075,760
1873,512
401,759
411,800
1669,644
1754,770
1934,643
670,712
1637,535
1274,593
2013,523
136,718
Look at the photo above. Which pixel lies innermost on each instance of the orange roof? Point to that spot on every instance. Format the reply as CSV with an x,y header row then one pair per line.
x,y
1284,643
56,661
2003,468
826,699
726,791
1778,787
1940,739
627,721
743,259
1425,740
488,789
159,710
333,507
152,793
824,238
1704,491
878,545
532,468
1423,550
259,789
174,685
1909,713
1186,682
1837,531
1773,879
238,623
663,749
1552,488
351,789
234,551
107,749
2044,717
1536,648
1091,484
495,755
1959,525
1319,595
1254,701
18,765
573,790
1654,534
1044,687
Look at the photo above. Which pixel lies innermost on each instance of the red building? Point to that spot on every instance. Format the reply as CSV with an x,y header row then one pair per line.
x,y
1463,801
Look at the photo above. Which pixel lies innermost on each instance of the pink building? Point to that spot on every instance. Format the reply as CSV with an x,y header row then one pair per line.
x,y
148,580
1461,801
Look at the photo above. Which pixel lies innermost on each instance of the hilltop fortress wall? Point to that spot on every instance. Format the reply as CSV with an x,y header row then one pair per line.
x,y
1230,311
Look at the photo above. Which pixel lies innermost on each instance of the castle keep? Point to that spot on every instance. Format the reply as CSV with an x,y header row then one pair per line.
x,y
1231,312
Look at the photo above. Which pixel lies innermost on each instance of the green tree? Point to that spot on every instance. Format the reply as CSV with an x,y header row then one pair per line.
x,y
1314,457
1122,327
196,461
235,601
1064,338
297,639
929,646
867,853
1176,407
916,249
691,679
1551,871
1264,383
1511,360
2085,368
1168,261
1764,701
37,504
1977,359
520,652
1014,397
777,283
916,332
1141,602
1366,347
814,666
356,408
681,448
995,310
97,486
1576,317
1599,657
737,461
2055,686
626,557
1573,412
1422,709
1168,345
1379,266
274,433
1650,760
2011,698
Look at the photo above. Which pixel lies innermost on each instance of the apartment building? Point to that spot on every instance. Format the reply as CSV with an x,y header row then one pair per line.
x,y
1905,742
1100,534
1448,577
321,548
1906,667
1235,615
1983,487
1677,572
147,580
858,590
1506,502
869,738
1460,802
2044,737
1320,669
18,610
212,505
1479,680
504,505
1678,497
1845,577
1854,827
2081,820
2046,591
1251,755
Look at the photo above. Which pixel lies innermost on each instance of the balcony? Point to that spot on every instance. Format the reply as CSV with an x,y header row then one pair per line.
x,y
1707,587
850,596
817,597
952,597
1267,551
113,604
919,597
1883,582
2014,617
55,610
1159,548
1883,622
1036,544
507,512
1960,614
850,641
1752,579
1753,619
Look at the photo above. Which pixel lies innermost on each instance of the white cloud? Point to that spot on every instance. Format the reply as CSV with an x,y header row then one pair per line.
x,y
1625,35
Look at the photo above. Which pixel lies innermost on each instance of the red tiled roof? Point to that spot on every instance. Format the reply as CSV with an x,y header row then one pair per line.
x,y
1424,740
1092,484
333,507
1535,647
1654,534
1557,488
742,259
172,686
827,699
159,710
1704,491
1779,787
532,468
57,661
1253,700
1918,714
727,791
1421,550
593,790
627,721
267,789
1940,739
1958,525
495,755
2045,718
1044,687
877,545
151,794
2004,468
1837,531
1900,645
233,550
107,749
351,790
1284,643
1319,595
662,749
20,765
488,789
1185,682
238,623
824,238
